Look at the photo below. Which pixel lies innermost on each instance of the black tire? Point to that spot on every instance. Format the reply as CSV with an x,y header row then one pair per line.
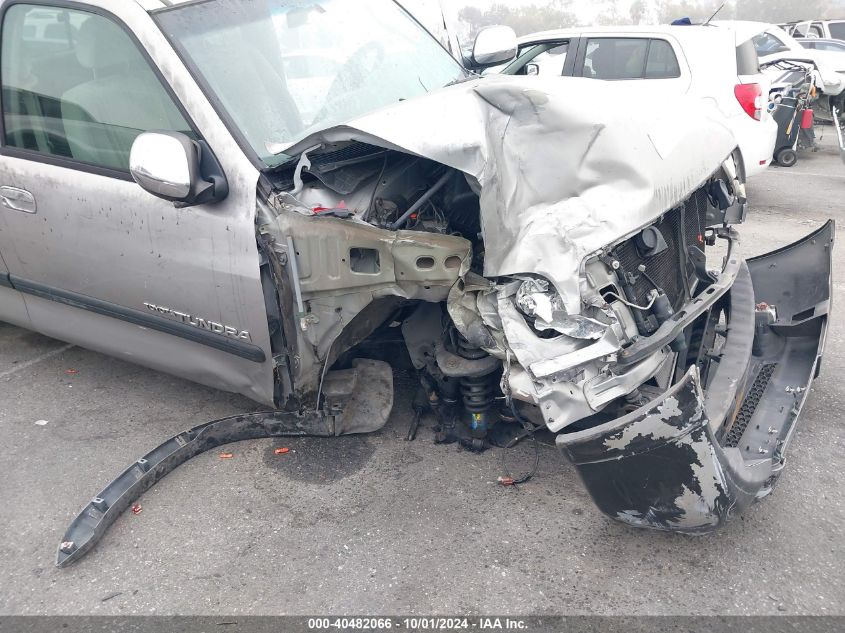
x,y
787,157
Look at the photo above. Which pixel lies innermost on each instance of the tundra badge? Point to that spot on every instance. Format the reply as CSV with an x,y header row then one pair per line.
x,y
202,324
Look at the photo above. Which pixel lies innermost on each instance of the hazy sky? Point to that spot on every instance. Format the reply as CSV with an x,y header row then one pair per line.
x,y
584,10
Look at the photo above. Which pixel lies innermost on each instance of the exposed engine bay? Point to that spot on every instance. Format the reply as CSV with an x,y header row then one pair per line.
x,y
389,242
554,267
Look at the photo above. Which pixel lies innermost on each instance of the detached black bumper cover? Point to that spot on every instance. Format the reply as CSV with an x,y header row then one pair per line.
x,y
699,453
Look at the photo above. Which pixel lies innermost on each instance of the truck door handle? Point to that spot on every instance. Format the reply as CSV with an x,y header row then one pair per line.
x,y
17,199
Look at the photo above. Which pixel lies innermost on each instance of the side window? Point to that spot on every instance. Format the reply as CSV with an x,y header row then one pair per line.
x,y
747,60
662,63
611,58
75,85
549,63
767,44
630,58
837,30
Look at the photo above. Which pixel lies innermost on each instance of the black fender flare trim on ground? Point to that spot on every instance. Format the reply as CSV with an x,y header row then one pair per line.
x,y
102,511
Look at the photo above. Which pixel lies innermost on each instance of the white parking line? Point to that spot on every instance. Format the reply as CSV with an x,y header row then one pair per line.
x,y
34,361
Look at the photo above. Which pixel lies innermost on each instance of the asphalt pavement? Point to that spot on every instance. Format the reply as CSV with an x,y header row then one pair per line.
x,y
378,525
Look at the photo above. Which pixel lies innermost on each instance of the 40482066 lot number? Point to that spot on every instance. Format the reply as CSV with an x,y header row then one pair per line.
x,y
416,624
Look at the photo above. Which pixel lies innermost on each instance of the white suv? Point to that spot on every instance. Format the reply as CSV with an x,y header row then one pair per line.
x,y
715,63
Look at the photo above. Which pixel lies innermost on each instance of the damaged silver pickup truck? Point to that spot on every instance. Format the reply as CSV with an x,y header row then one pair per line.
x,y
181,190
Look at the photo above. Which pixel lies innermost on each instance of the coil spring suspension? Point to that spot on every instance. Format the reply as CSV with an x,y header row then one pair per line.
x,y
478,392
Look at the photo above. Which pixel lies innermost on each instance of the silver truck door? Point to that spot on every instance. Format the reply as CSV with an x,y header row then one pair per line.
x,y
12,308
100,262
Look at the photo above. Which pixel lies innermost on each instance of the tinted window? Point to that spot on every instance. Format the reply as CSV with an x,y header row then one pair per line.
x,y
767,44
837,30
630,58
75,85
662,62
747,61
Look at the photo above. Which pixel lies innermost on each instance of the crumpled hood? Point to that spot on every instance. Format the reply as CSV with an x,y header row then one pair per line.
x,y
564,166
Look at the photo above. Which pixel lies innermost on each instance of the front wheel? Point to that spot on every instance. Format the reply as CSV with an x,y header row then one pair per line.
x,y
787,157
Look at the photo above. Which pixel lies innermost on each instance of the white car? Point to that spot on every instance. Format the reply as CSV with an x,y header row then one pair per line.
x,y
828,29
772,43
716,64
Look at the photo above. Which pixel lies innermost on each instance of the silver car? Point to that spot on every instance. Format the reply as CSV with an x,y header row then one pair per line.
x,y
541,257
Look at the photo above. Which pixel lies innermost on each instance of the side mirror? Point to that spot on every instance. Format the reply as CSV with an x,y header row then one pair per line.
x,y
494,45
532,69
171,166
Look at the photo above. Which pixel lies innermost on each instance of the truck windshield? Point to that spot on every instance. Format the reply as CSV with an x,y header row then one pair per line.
x,y
283,69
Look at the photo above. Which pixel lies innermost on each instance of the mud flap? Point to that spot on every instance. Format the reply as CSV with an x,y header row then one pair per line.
x,y
699,453
360,402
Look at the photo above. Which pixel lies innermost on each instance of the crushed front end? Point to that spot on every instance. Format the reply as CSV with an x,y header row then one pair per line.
x,y
541,265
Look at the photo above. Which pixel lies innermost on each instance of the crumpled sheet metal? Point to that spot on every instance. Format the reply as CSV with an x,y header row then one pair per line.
x,y
534,299
489,317
565,166
537,298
